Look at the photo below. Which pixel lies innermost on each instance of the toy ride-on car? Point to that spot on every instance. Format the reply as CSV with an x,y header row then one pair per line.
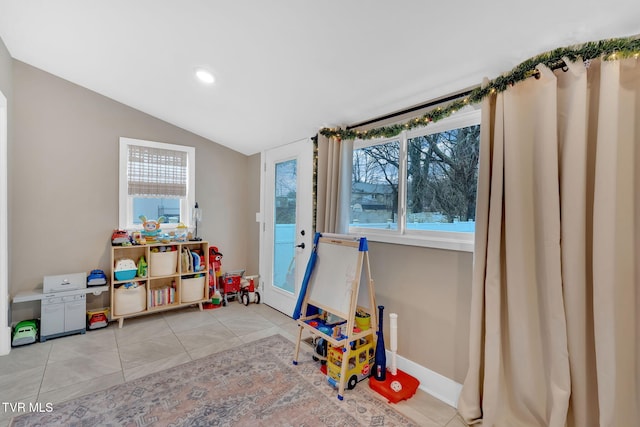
x,y
24,333
248,290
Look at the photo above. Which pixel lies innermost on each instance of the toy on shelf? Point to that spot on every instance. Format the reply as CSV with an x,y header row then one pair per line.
x,y
120,238
142,267
181,233
96,278
125,269
151,228
137,238
249,291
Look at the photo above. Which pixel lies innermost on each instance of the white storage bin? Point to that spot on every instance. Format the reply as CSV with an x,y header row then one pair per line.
x,y
192,289
163,263
128,301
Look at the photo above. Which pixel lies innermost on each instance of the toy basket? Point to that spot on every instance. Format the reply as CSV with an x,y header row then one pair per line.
x,y
192,289
129,300
163,263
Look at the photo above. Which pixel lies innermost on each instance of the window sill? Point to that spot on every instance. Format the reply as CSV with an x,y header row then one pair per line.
x,y
447,241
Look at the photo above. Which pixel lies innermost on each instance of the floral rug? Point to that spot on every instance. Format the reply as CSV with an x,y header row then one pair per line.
x,y
252,385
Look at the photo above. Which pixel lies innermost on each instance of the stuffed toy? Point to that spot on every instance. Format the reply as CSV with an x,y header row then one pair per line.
x,y
151,228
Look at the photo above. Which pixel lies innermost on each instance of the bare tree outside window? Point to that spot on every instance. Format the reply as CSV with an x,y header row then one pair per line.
x,y
441,170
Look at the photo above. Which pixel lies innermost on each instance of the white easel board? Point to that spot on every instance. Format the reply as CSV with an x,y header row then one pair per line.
x,y
337,276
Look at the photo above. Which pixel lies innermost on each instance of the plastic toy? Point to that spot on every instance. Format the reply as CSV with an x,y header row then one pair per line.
x,y
248,292
97,319
396,385
96,278
215,274
137,238
24,333
380,367
151,228
120,238
142,267
361,359
181,233
230,285
125,269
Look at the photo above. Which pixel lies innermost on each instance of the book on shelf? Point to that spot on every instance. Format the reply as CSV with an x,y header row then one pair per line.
x,y
162,296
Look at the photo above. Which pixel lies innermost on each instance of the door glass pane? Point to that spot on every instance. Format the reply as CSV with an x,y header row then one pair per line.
x,y
284,226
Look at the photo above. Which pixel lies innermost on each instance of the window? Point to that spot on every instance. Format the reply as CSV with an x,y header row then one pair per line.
x,y
420,186
156,179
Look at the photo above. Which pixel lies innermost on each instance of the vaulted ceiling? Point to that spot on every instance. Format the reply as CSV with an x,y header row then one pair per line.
x,y
286,68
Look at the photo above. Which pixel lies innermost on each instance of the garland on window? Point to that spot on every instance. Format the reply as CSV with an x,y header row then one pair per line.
x,y
611,49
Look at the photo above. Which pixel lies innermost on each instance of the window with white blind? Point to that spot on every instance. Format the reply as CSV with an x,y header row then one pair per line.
x,y
156,180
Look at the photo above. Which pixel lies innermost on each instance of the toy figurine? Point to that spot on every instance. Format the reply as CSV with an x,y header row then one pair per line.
x,y
151,228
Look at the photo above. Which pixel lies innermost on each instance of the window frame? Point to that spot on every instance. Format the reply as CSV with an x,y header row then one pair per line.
x,y
125,207
457,241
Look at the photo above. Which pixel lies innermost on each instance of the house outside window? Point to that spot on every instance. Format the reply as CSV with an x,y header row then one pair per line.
x,y
419,187
156,180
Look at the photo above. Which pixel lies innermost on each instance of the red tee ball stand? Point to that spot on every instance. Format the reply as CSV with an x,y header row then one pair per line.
x,y
397,385
395,388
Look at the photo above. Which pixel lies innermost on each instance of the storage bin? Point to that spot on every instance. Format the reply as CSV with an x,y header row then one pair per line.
x,y
163,263
128,301
192,289
125,269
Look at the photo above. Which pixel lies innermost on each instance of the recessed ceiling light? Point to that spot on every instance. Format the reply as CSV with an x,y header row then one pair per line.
x,y
204,76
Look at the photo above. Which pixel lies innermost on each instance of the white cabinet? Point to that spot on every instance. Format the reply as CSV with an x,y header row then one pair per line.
x,y
62,315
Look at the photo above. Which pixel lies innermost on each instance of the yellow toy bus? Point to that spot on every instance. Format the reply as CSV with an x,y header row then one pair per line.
x,y
361,360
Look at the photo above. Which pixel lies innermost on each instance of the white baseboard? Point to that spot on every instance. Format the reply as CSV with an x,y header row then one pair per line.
x,y
5,341
431,382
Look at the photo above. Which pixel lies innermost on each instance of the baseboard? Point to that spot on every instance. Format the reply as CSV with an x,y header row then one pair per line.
x,y
5,341
431,382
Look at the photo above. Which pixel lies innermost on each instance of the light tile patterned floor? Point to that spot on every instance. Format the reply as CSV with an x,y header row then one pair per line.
x,y
72,366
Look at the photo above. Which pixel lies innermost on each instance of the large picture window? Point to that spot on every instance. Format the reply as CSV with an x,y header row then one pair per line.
x,y
156,180
419,187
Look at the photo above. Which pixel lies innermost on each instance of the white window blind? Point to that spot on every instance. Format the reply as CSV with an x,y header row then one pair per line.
x,y
156,172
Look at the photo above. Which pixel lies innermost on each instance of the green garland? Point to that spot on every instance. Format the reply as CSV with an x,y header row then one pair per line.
x,y
611,49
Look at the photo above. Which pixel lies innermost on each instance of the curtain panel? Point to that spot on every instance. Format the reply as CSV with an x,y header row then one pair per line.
x,y
333,191
555,316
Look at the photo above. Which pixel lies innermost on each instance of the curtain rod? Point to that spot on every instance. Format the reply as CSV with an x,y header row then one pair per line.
x,y
412,109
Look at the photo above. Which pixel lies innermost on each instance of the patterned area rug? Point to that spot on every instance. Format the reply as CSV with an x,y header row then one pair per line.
x,y
252,385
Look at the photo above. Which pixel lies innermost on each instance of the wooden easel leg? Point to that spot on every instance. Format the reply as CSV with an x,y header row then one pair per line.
x,y
343,370
295,356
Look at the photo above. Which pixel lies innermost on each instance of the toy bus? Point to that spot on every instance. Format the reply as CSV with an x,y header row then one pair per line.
x,y
361,360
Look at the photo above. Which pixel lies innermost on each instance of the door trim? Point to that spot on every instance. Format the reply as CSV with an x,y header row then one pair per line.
x,y
305,197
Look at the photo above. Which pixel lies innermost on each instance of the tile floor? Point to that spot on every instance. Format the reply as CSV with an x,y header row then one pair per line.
x,y
72,366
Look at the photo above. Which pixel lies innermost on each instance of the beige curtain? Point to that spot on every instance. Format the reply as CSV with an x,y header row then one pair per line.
x,y
333,190
555,332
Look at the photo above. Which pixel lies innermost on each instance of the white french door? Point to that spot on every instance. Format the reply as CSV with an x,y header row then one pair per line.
x,y
287,212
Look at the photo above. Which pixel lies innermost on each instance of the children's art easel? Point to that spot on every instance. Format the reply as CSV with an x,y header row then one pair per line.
x,y
338,282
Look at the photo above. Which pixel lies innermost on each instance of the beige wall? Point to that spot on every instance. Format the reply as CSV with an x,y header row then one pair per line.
x,y
430,290
64,182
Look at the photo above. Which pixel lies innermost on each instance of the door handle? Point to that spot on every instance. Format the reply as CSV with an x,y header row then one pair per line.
x,y
301,245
